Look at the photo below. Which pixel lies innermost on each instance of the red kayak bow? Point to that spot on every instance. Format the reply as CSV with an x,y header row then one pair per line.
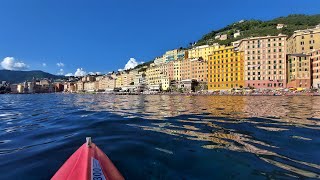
x,y
88,163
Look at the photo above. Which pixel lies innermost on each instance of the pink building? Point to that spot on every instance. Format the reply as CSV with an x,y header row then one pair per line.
x,y
315,58
264,61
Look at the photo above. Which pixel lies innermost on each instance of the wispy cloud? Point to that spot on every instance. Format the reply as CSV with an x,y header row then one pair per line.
x,y
44,65
10,63
80,72
60,64
61,72
95,73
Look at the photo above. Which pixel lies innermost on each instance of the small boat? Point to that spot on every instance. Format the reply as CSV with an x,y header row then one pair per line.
x,y
88,163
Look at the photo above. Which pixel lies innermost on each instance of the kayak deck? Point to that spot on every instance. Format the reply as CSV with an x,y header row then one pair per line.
x,y
88,163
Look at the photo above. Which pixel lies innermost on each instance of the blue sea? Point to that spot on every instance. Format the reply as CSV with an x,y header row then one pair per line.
x,y
163,136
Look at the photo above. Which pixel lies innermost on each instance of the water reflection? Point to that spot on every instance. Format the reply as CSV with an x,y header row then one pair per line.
x,y
278,131
240,124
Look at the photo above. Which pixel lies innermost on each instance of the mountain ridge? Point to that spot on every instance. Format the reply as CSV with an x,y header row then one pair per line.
x,y
13,76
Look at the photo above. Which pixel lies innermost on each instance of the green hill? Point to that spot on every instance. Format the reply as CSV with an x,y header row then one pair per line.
x,y
253,28
21,76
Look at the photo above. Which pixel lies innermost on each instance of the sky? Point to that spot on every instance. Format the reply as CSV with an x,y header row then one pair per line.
x,y
68,37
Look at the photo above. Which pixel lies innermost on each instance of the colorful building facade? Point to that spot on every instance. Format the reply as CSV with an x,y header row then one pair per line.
x,y
202,52
196,69
299,71
264,61
304,41
225,69
315,60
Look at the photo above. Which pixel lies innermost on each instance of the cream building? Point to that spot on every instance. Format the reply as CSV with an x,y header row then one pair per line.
x,y
107,83
91,86
80,86
315,59
299,71
20,88
304,41
156,76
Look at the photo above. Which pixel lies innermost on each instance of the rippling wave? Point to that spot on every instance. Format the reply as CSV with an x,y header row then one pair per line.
x,y
162,136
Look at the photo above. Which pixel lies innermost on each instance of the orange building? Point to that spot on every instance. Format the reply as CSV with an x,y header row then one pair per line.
x,y
196,69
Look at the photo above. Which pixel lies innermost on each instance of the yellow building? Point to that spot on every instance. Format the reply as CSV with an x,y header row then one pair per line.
x,y
177,70
128,77
202,52
153,75
119,80
304,41
157,75
225,69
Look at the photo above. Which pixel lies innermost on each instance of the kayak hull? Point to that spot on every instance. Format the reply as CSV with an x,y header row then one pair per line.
x,y
88,163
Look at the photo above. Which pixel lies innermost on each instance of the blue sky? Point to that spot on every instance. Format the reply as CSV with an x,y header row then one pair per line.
x,y
102,35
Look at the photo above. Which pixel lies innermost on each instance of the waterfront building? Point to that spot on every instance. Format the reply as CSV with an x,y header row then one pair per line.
x,y
153,75
20,88
264,61
70,87
299,71
119,80
196,69
157,77
315,60
165,80
14,88
170,70
128,77
177,70
304,41
25,87
90,86
43,86
79,86
107,83
58,87
140,81
225,69
31,87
